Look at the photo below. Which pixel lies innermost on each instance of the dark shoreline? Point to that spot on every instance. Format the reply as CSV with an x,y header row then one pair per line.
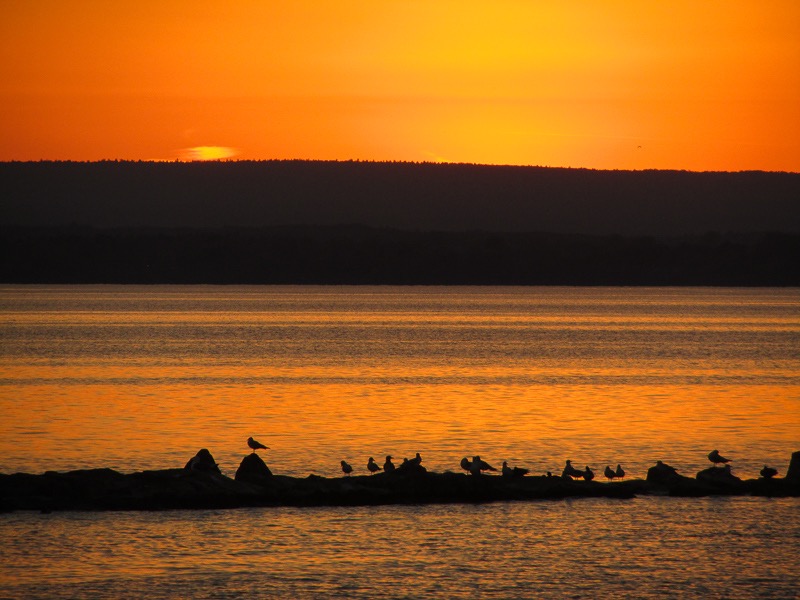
x,y
374,223
423,197
355,255
199,488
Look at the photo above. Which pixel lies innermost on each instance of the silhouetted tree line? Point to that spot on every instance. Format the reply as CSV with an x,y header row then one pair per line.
x,y
364,255
405,196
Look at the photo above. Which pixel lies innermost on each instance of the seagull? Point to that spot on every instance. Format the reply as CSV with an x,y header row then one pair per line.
x,y
620,472
372,466
388,466
609,473
588,474
254,445
715,458
483,464
416,461
466,465
513,472
479,465
570,471
346,469
768,472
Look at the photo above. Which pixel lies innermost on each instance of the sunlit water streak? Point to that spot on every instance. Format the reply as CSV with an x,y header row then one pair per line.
x,y
141,377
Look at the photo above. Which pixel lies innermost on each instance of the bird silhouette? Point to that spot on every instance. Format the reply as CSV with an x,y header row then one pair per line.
x,y
466,464
620,472
570,471
254,445
483,464
479,465
768,472
588,474
416,461
388,466
346,469
372,466
609,473
513,471
715,458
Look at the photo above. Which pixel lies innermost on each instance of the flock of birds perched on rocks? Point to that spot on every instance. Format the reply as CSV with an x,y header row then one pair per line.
x,y
477,465
587,474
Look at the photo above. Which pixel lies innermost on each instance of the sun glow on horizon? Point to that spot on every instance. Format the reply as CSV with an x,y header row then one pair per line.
x,y
711,86
207,153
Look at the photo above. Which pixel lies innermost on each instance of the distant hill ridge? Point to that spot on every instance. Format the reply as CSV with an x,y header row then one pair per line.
x,y
398,195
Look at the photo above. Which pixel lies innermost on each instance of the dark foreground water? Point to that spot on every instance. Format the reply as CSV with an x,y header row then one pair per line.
x,y
141,377
642,548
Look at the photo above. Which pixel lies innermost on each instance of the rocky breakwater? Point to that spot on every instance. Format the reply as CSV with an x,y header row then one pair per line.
x,y
663,479
201,485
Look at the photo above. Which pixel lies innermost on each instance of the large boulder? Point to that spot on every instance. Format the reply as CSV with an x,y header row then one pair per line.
x,y
793,474
663,474
203,462
410,467
717,476
253,470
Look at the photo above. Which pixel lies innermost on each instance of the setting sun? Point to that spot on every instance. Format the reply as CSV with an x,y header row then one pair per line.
x,y
207,153
710,86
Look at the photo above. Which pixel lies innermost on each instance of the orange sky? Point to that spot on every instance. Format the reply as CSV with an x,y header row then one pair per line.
x,y
636,84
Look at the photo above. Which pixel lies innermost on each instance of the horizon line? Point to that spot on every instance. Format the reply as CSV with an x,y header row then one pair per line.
x,y
380,162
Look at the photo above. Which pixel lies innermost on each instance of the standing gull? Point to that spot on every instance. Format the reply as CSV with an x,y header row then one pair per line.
x,y
570,471
609,473
715,458
388,466
346,469
479,465
372,466
620,472
466,464
254,445
588,474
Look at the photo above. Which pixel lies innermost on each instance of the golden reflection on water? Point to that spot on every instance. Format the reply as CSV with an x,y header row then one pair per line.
x,y
94,377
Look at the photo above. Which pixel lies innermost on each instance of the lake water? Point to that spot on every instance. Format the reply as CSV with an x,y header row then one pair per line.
x,y
140,378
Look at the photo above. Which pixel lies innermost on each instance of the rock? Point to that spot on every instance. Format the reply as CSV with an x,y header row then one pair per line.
x,y
203,462
410,467
793,474
663,474
193,488
717,476
768,472
253,470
